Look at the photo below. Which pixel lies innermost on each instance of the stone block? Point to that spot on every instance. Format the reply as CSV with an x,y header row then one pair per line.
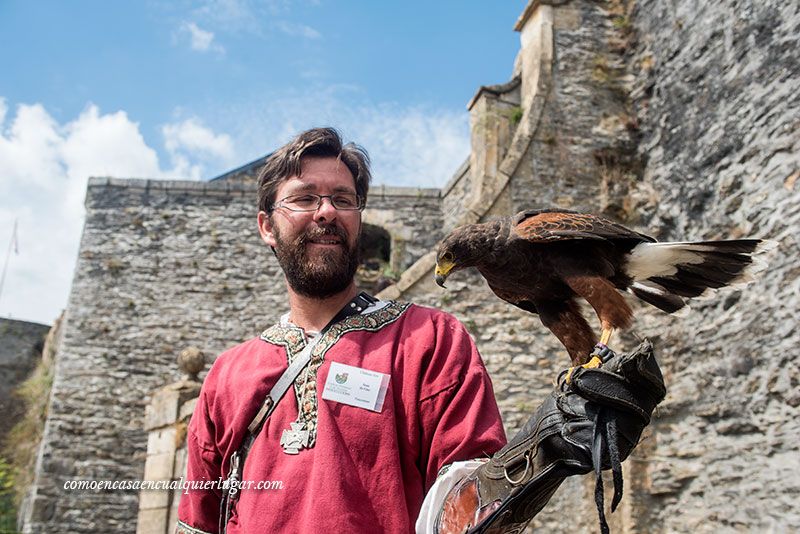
x,y
152,521
164,407
173,509
187,409
162,410
151,499
161,441
42,509
159,466
179,469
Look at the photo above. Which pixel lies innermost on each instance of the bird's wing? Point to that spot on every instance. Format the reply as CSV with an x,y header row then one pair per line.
x,y
544,226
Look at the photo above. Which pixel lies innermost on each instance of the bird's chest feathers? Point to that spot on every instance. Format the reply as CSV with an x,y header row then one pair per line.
x,y
517,268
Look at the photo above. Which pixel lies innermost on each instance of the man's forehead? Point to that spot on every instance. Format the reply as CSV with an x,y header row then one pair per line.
x,y
296,184
321,172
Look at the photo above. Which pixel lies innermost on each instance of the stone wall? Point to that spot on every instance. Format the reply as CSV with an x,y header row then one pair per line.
x,y
413,218
454,196
21,344
717,93
583,132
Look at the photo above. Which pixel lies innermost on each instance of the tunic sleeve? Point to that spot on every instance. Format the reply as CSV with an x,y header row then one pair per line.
x,y
459,418
198,510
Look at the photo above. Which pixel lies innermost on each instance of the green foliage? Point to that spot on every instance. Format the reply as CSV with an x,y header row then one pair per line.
x,y
8,510
19,450
601,71
621,22
389,272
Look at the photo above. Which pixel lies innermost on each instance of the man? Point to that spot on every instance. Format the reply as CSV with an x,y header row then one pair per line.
x,y
390,395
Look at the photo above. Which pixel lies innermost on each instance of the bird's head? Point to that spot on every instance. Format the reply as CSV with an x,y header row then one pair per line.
x,y
457,251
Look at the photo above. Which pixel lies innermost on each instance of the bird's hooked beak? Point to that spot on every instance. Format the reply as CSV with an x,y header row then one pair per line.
x,y
443,269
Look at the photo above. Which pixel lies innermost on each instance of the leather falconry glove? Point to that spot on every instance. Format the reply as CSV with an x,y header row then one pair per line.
x,y
589,424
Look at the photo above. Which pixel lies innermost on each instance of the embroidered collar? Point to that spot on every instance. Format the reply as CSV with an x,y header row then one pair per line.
x,y
293,339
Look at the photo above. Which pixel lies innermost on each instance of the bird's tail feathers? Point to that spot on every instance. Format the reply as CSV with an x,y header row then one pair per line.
x,y
667,274
657,296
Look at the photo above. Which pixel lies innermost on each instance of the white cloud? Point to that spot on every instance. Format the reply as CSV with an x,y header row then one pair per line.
x,y
409,146
200,39
412,146
236,16
298,30
191,136
44,167
102,145
226,11
240,15
29,148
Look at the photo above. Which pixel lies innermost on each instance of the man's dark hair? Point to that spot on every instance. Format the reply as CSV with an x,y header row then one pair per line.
x,y
317,142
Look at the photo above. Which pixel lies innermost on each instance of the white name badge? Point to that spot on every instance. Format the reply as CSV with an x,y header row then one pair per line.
x,y
355,386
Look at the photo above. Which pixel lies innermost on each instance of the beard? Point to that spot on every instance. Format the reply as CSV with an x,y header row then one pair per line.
x,y
329,273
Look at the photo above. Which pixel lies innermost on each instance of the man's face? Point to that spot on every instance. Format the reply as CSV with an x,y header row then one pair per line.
x,y
317,250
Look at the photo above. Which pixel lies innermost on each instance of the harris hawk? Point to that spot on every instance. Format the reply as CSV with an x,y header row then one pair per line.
x,y
544,261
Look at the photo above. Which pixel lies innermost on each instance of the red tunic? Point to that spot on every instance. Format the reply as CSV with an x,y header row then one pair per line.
x,y
366,471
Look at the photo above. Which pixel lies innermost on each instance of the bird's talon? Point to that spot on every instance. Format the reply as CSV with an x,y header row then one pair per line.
x,y
568,378
594,363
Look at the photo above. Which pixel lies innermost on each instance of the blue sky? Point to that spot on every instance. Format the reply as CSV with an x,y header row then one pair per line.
x,y
190,89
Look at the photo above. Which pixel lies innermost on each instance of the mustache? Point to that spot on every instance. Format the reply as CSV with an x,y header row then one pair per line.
x,y
323,231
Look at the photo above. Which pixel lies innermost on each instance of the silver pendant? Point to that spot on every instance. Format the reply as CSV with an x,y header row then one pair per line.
x,y
294,439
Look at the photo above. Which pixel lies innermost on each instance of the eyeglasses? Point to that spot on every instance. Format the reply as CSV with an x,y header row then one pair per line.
x,y
312,202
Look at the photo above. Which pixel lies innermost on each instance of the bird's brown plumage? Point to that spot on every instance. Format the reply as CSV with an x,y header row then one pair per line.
x,y
544,261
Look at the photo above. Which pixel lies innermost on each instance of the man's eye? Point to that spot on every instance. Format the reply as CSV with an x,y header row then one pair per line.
x,y
303,200
344,201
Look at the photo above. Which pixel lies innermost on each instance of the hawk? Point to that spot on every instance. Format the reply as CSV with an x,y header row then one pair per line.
x,y
545,261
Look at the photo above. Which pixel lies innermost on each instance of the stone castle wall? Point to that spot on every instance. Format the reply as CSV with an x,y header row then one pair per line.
x,y
717,98
678,119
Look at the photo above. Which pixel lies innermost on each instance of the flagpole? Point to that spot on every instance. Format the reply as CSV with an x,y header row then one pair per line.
x,y
8,256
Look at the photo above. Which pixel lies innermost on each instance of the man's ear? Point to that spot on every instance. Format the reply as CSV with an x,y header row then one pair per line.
x,y
265,228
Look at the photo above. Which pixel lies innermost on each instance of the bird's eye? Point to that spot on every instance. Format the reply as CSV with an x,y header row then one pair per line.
x,y
448,256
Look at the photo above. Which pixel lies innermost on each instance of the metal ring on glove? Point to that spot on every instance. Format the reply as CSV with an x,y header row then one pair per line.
x,y
521,478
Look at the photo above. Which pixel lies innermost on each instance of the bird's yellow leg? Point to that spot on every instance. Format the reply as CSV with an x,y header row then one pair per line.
x,y
605,337
595,362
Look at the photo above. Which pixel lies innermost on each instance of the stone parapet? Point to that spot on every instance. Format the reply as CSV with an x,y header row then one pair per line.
x,y
166,419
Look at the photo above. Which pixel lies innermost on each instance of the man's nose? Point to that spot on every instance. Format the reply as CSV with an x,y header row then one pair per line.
x,y
325,211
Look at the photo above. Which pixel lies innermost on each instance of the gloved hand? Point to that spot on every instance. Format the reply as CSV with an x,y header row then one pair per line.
x,y
592,423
